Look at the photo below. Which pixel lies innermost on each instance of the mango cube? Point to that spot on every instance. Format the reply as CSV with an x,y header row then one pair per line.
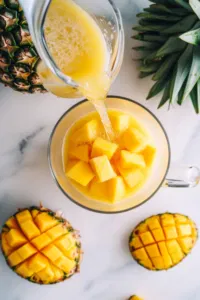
x,y
5,246
14,259
149,154
81,172
134,140
153,250
26,251
71,253
65,243
140,254
46,275
136,243
129,160
187,244
98,190
37,263
80,152
120,122
116,188
30,229
45,221
23,270
15,238
56,231
65,264
58,273
52,252
12,223
87,134
103,147
102,168
41,241
158,263
34,213
132,177
23,216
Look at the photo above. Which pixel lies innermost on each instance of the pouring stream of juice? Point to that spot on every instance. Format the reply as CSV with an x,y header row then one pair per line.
x,y
79,49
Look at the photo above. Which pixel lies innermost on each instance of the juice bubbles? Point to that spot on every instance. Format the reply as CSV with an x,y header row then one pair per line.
x,y
79,49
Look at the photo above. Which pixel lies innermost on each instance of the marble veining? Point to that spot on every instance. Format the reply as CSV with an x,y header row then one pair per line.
x,y
108,271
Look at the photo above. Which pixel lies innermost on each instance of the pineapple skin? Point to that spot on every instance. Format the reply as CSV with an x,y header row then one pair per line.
x,y
143,227
18,56
66,225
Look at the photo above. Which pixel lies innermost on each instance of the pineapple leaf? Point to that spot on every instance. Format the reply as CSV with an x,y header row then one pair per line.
x,y
194,74
159,1
149,28
184,25
195,4
194,98
151,57
198,92
166,95
166,67
147,37
183,4
158,8
151,67
172,45
155,17
147,46
191,37
145,74
157,88
183,69
181,92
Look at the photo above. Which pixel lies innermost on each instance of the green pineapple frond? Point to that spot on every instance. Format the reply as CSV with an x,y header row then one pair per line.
x,y
170,34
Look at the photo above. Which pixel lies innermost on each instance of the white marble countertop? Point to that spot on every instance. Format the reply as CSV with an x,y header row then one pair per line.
x,y
108,271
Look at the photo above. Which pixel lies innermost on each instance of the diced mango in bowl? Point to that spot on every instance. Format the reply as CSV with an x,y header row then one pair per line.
x,y
105,170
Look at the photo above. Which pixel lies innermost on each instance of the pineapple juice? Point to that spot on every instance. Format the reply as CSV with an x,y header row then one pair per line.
x,y
79,49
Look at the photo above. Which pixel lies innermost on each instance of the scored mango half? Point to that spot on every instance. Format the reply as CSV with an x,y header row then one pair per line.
x,y
41,246
163,241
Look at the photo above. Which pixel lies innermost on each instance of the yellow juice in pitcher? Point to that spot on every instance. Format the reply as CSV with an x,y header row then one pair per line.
x,y
79,49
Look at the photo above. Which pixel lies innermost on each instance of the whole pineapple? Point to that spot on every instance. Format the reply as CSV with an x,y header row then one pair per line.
x,y
18,56
175,64
162,241
40,246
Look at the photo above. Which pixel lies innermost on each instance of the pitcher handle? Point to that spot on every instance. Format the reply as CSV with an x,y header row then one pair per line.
x,y
182,177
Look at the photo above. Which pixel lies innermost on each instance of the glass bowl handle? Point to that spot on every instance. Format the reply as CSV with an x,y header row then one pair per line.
x,y
182,176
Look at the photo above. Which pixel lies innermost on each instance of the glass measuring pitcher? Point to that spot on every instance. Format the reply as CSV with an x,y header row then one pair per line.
x,y
164,173
108,19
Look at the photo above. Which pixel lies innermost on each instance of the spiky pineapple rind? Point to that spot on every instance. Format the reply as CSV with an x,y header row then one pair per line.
x,y
15,41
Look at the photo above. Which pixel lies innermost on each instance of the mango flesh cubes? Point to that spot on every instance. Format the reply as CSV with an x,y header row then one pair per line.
x,y
162,241
103,147
105,170
130,160
102,168
134,140
81,172
42,247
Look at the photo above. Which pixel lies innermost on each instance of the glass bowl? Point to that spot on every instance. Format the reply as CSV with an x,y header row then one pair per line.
x,y
140,113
